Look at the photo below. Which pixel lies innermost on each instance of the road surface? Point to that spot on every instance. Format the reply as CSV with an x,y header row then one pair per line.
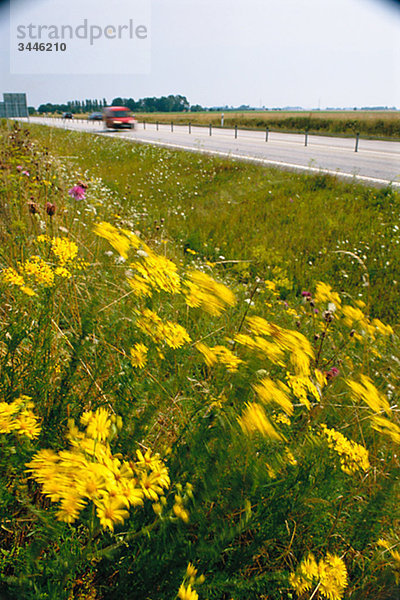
x,y
376,162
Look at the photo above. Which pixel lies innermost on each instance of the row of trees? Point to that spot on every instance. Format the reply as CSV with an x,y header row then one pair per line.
x,y
74,106
169,103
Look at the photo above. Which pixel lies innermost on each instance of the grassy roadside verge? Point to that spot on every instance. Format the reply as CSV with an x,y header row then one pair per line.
x,y
302,227
369,124
174,425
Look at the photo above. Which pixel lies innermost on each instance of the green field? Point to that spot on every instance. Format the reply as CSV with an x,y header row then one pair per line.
x,y
374,124
199,376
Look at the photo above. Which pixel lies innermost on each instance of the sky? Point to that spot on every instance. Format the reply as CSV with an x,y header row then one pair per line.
x,y
272,53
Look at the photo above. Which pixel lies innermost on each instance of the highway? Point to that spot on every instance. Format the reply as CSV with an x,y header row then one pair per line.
x,y
376,162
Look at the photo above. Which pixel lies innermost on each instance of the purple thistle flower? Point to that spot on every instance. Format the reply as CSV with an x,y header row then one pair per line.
x,y
334,372
77,192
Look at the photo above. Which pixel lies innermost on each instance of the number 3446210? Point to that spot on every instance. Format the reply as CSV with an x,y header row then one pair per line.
x,y
42,47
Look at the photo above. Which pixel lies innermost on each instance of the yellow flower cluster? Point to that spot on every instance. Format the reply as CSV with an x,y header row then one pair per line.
x,y
206,293
139,355
35,271
365,391
219,354
325,295
173,334
186,592
354,318
303,387
179,509
329,574
154,272
254,419
120,239
351,316
270,392
387,428
12,277
65,250
280,340
18,417
89,472
38,271
353,456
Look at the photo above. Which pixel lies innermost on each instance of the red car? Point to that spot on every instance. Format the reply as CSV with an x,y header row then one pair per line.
x,y
118,117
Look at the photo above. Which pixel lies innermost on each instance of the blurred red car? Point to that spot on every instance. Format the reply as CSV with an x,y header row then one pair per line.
x,y
118,117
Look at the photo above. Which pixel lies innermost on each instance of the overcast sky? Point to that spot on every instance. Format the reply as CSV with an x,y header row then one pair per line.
x,y
308,53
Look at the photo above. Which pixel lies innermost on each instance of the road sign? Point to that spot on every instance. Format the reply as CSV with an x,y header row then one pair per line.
x,y
14,105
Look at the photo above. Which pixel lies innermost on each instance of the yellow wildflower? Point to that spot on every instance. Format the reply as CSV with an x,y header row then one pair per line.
x,y
110,511
70,507
187,593
12,276
210,356
367,392
120,241
330,575
386,427
262,346
157,272
206,293
97,423
174,335
18,417
191,571
353,456
302,387
382,328
39,271
269,391
139,355
62,272
64,249
301,352
282,419
219,354
254,419
325,295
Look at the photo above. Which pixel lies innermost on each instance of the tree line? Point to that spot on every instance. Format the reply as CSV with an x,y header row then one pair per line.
x,y
169,103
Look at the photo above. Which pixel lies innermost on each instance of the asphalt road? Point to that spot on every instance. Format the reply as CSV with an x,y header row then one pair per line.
x,y
376,162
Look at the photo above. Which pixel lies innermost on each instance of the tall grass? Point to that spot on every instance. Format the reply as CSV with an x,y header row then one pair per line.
x,y
300,226
276,425
374,124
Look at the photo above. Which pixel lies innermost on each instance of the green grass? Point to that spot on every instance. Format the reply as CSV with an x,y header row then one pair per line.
x,y
257,504
303,226
373,124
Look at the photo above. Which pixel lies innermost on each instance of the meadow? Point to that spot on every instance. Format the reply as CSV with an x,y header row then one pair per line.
x,y
369,124
199,374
